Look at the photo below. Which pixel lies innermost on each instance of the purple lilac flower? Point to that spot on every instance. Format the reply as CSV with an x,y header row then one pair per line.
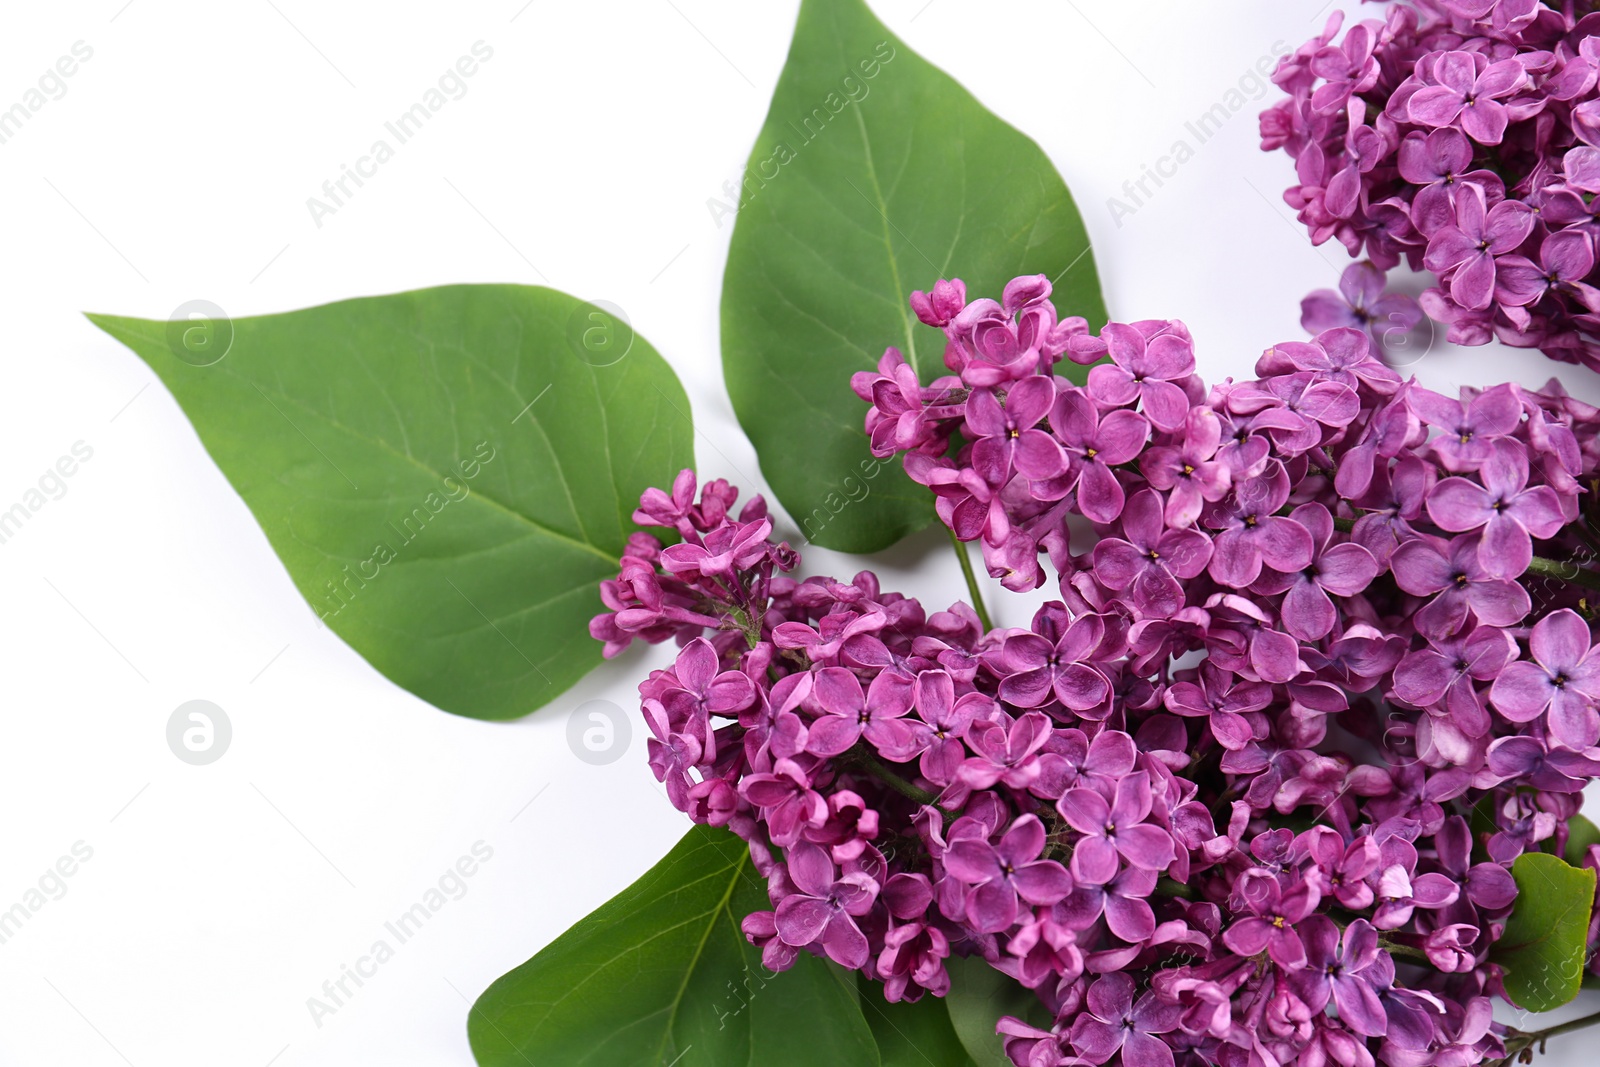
x,y
1562,680
1508,511
1115,1022
1164,777
1005,875
1457,135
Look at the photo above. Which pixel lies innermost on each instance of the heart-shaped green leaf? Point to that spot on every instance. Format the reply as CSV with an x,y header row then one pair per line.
x,y
911,1034
1545,938
875,174
446,473
662,975
980,997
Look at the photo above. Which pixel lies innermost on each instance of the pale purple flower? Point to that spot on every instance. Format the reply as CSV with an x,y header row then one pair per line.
x,y
1504,507
1150,561
1453,575
1071,759
1400,892
938,737
1336,969
1115,829
826,906
1562,679
1124,902
1360,303
1145,370
1252,534
1048,666
1341,570
1440,676
792,805
1188,472
1273,914
847,714
1094,445
1345,868
1006,439
1465,91
1004,751
1552,770
1468,248
1114,1022
1005,874
1225,700
1471,426
1566,258
1438,162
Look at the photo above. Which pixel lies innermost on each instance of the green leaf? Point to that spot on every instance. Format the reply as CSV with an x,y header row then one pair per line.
x,y
444,476
875,174
662,974
979,997
912,1035
1581,833
1543,946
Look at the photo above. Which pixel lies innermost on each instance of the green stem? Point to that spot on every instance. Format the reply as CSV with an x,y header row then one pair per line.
x,y
1395,948
1171,887
1520,1043
972,581
1566,572
873,766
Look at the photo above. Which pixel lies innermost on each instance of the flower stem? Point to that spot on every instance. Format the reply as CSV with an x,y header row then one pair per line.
x,y
863,758
973,591
1564,571
1521,1043
1395,948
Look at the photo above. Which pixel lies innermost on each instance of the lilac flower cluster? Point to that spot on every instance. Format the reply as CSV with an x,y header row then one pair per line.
x,y
1462,136
1297,645
1248,794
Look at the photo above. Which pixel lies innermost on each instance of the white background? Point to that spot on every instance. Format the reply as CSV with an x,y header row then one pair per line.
x,y
176,167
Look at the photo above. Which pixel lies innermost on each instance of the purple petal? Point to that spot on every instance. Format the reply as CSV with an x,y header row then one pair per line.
x,y
1085,810
1094,861
1042,883
801,920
